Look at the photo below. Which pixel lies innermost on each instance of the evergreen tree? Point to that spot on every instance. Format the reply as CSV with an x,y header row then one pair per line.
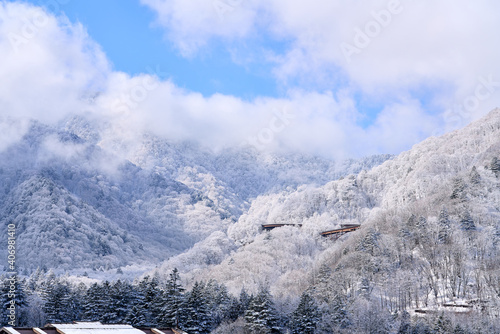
x,y
35,279
261,316
137,316
223,306
466,221
108,310
4,301
60,303
244,302
338,313
22,305
458,189
443,325
474,176
459,330
108,303
369,242
151,298
306,316
444,226
495,166
173,299
94,303
195,316
121,301
322,290
421,235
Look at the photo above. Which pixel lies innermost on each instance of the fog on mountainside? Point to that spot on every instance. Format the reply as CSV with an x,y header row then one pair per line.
x,y
428,241
82,204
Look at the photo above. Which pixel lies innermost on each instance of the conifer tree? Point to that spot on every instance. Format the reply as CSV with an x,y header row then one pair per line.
x,y
151,299
306,316
195,316
261,316
121,296
495,166
369,242
466,221
172,301
106,305
405,324
4,301
137,316
338,313
226,306
458,189
444,226
321,290
442,325
244,301
22,305
459,330
474,176
60,304
96,303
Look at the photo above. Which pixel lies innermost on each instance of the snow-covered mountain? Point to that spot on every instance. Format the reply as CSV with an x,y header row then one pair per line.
x,y
424,217
81,196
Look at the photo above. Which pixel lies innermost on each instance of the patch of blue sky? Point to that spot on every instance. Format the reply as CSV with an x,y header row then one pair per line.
x,y
134,45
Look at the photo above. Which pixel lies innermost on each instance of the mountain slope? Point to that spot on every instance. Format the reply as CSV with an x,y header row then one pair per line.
x,y
110,208
418,211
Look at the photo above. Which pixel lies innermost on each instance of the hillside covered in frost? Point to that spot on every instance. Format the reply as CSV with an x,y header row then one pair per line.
x,y
430,233
425,258
84,198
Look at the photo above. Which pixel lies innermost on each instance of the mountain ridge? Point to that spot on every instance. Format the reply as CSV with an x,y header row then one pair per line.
x,y
164,196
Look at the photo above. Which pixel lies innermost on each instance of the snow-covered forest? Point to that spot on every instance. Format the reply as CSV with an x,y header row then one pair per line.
x,y
170,234
79,202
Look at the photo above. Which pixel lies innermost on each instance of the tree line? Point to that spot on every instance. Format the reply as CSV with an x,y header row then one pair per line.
x,y
208,307
44,298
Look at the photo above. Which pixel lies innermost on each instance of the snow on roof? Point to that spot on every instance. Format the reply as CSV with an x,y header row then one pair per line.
x,y
95,328
88,328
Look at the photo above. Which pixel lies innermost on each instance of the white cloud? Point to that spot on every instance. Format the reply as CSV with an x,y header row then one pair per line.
x,y
45,75
193,23
395,47
320,123
47,63
398,127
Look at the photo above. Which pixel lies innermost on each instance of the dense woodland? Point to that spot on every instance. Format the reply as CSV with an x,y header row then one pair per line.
x,y
84,206
208,308
425,259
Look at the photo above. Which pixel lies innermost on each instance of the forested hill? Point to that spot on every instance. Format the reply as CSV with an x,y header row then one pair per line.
x,y
84,197
425,259
430,232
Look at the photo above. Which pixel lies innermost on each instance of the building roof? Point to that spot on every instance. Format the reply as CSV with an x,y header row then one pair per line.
x,y
20,330
88,328
94,328
272,226
347,229
161,331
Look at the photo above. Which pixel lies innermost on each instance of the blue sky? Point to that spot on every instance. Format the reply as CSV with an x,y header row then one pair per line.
x,y
328,77
133,43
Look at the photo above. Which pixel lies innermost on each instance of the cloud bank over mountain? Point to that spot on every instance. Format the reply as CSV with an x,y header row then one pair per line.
x,y
412,72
